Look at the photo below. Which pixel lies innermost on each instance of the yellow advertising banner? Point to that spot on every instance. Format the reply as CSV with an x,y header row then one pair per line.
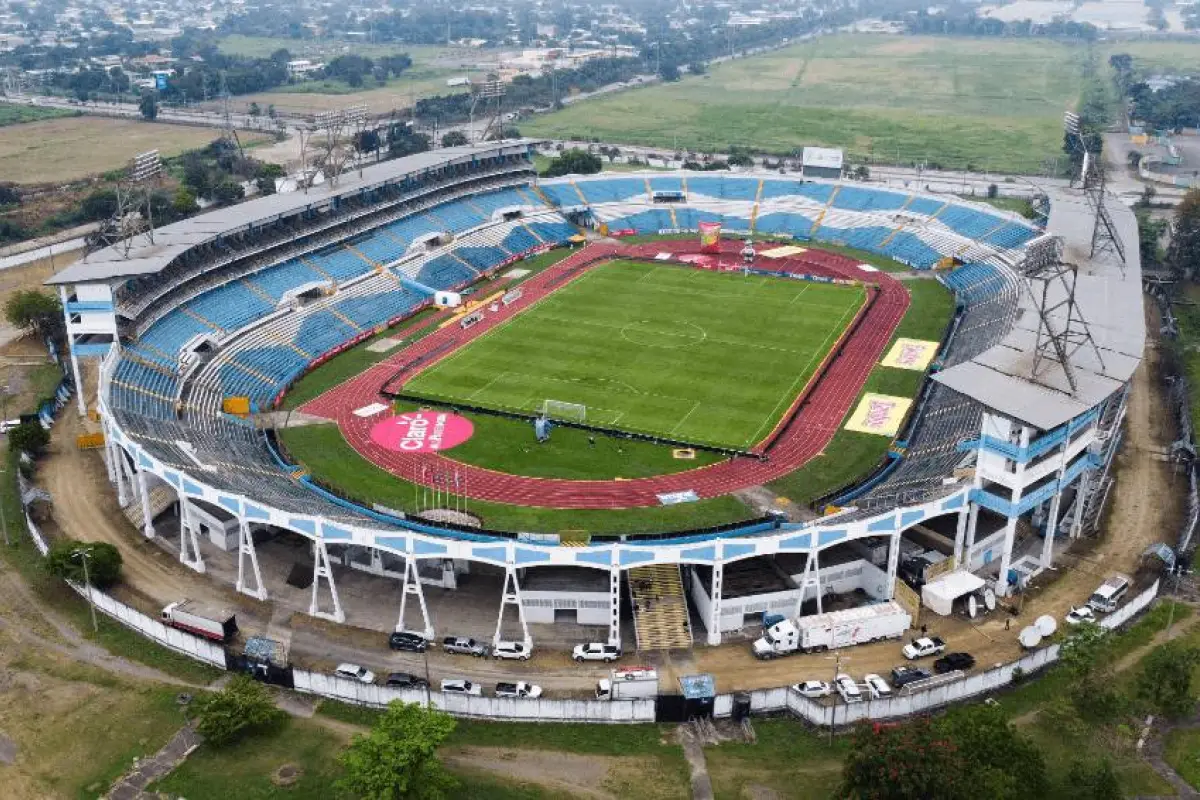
x,y
912,354
880,414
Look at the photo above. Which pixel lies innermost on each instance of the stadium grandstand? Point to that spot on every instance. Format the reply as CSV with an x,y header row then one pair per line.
x,y
238,303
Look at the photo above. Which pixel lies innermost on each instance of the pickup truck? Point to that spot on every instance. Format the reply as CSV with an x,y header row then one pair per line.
x,y
518,689
923,647
464,646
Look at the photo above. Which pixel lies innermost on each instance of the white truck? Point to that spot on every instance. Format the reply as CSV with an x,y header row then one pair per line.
x,y
216,624
631,683
833,629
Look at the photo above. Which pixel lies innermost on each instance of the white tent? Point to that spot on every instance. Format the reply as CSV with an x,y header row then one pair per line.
x,y
939,595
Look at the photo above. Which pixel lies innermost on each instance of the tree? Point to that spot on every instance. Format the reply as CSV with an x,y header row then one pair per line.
x,y
100,204
103,562
254,110
696,68
741,160
993,191
1094,781
454,139
1150,231
1087,658
899,762
398,759
32,310
1165,682
996,760
574,162
183,203
1135,158
28,437
243,706
669,71
9,196
148,105
1183,254
862,173
612,154
227,192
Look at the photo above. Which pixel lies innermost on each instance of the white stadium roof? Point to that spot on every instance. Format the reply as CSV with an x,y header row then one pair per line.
x,y
171,241
1110,301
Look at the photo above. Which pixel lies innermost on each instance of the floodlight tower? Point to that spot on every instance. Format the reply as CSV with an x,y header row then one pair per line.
x,y
491,94
1062,330
1093,178
133,212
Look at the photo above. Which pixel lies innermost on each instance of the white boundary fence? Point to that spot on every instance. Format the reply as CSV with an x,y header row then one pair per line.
x,y
505,708
177,640
903,705
618,711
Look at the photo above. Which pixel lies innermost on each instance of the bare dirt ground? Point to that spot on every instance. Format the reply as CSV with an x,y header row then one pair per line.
x,y
574,774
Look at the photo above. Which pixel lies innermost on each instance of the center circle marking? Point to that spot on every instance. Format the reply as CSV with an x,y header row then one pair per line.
x,y
664,335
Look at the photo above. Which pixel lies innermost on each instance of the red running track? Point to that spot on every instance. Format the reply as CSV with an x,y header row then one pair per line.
x,y
821,410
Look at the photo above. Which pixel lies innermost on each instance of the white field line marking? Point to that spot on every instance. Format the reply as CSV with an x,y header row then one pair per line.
x,y
685,416
486,386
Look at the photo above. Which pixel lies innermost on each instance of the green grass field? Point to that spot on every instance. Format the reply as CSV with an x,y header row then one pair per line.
x,y
15,115
993,103
711,358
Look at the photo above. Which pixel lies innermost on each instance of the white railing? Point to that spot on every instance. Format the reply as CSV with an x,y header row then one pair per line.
x,y
903,705
180,642
619,711
511,709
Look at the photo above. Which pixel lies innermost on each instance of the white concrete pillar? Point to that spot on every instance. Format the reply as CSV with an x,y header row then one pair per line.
x,y
614,607
1010,532
960,533
972,525
119,468
893,565
412,585
816,574
246,552
713,623
109,460
511,595
189,542
323,569
147,516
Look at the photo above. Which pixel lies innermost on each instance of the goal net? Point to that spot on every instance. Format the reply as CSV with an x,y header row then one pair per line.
x,y
563,411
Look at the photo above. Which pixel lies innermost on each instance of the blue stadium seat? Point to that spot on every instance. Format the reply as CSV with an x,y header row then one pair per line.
x,y
444,272
230,306
561,194
925,205
728,188
370,310
492,201
483,257
857,198
322,332
910,249
519,239
165,337
612,190
457,216
968,221
339,263
552,232
666,184
276,281
784,224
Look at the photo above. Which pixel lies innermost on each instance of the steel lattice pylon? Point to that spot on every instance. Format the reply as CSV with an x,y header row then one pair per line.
x,y
1062,330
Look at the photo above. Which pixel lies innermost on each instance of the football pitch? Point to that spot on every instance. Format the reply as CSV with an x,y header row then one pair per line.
x,y
703,357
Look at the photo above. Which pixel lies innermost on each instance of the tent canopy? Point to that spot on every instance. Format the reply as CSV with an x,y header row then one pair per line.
x,y
939,595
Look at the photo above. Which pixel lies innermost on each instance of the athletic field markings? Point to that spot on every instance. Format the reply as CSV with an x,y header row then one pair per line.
x,y
790,394
691,339
685,416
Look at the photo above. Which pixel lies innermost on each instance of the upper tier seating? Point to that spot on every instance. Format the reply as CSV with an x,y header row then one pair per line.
x,y
724,188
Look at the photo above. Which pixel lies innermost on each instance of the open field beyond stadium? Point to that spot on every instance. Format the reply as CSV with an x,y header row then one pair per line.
x,y
705,357
75,147
993,103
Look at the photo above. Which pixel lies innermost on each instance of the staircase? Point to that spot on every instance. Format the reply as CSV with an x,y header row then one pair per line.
x,y
660,614
161,497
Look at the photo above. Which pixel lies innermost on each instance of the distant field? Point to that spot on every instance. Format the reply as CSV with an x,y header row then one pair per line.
x,y
74,147
681,353
431,68
1158,56
993,103
14,114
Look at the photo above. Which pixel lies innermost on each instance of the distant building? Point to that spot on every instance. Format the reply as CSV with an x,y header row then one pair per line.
x,y
821,162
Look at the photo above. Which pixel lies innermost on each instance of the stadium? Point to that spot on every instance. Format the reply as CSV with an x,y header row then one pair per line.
x,y
661,351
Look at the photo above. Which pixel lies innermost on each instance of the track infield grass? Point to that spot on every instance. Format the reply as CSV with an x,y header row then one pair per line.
x,y
685,354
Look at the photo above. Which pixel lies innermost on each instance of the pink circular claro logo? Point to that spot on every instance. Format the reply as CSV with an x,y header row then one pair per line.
x,y
422,432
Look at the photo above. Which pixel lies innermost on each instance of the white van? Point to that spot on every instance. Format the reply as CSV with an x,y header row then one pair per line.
x,y
1108,596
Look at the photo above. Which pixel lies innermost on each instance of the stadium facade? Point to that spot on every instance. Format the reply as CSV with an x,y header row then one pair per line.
x,y
995,465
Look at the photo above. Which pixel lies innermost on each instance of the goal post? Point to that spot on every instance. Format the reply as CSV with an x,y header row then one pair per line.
x,y
563,411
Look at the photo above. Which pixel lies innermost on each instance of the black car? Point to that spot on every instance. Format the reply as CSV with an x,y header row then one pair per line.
x,y
903,675
953,661
402,680
412,642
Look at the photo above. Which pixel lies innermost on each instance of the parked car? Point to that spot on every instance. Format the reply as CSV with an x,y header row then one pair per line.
x,y
877,686
406,640
355,673
403,680
511,650
596,651
902,676
953,661
464,645
848,689
1077,616
518,689
812,689
923,647
461,686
